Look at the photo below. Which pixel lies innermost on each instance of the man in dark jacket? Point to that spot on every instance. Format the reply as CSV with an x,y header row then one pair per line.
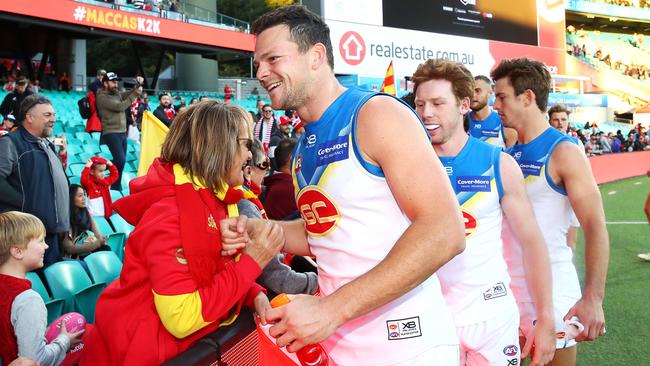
x,y
11,103
165,111
32,178
280,201
110,107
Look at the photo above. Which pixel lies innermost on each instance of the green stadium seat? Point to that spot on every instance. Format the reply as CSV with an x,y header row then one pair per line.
x,y
120,225
75,169
68,280
75,180
104,266
117,241
54,306
104,227
115,195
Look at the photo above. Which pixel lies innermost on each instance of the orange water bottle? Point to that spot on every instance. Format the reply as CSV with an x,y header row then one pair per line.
x,y
311,355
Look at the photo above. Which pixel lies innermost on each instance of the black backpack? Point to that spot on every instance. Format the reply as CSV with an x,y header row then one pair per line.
x,y
84,108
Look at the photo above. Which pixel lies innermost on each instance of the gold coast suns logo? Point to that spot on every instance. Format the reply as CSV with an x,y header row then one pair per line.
x,y
318,210
471,225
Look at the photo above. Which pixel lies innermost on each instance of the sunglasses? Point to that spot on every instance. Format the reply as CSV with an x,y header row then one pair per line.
x,y
249,142
25,107
265,165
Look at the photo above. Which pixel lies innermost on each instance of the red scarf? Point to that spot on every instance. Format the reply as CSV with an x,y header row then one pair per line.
x,y
10,287
170,112
200,209
266,139
251,193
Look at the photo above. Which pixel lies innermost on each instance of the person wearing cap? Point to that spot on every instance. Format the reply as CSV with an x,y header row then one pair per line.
x,y
97,84
8,123
110,107
96,183
11,103
32,177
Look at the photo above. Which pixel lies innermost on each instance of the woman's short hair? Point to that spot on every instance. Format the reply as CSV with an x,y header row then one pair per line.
x,y
17,229
203,140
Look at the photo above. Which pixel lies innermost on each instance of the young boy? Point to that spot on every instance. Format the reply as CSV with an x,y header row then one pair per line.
x,y
97,184
23,316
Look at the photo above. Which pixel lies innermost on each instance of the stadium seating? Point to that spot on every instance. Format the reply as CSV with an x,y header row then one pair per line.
x,y
104,266
68,280
54,306
117,241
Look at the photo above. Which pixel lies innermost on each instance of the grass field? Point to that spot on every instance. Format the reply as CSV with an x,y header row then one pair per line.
x,y
627,300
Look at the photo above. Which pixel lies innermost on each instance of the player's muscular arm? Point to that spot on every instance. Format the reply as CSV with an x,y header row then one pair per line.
x,y
295,237
570,169
390,136
510,135
519,211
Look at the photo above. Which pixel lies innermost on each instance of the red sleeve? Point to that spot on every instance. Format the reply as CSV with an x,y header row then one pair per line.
x,y
169,272
85,178
112,177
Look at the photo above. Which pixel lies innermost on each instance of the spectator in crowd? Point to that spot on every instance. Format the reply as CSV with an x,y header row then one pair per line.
x,y
84,236
32,178
276,276
97,84
616,144
280,199
203,97
136,110
165,111
593,147
255,91
110,106
605,145
193,101
179,205
260,109
50,81
24,316
227,94
8,123
64,82
282,132
266,127
12,101
96,183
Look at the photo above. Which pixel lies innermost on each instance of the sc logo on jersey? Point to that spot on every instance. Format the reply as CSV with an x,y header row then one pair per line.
x,y
318,210
471,224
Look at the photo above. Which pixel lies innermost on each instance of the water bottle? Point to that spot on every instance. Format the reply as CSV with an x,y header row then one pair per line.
x,y
311,355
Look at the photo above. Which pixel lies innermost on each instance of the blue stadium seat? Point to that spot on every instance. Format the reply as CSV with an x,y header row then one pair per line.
x,y
104,266
121,226
68,280
54,306
103,225
117,241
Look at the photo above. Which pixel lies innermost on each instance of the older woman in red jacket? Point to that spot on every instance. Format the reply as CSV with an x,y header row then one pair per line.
x,y
175,287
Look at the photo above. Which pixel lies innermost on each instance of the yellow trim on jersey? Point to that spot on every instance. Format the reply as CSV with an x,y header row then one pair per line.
x,y
532,178
182,314
327,174
478,197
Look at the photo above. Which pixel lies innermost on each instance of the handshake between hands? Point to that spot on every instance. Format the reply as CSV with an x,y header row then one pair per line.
x,y
260,239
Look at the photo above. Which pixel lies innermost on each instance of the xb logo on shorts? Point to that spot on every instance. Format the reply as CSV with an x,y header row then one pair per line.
x,y
318,210
471,224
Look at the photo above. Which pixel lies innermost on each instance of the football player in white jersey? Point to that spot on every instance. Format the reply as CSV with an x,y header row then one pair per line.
x,y
442,96
558,178
294,61
558,117
481,110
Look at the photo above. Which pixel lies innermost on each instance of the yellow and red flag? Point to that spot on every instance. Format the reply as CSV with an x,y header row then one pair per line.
x,y
153,136
389,81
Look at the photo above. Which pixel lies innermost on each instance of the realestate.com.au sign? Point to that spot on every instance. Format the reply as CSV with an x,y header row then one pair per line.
x,y
366,50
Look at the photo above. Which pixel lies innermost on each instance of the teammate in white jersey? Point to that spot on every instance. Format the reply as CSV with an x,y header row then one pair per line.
x,y
294,61
476,282
558,117
558,178
484,123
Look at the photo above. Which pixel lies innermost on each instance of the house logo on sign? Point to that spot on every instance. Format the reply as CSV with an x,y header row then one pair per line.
x,y
352,48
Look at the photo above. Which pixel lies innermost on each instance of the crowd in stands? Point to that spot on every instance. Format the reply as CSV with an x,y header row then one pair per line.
x,y
631,3
625,53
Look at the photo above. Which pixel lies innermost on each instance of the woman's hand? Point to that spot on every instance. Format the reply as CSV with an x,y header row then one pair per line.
x,y
233,235
262,305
